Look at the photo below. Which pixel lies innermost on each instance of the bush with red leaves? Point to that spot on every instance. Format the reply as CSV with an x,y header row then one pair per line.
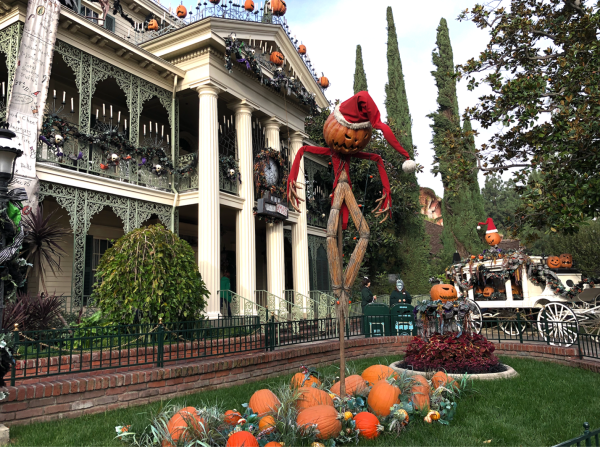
x,y
465,354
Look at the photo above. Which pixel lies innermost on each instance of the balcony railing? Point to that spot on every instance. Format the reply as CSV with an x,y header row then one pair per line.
x,y
189,181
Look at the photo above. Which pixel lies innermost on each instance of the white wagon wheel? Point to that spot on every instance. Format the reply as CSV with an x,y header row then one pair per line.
x,y
560,326
475,317
508,324
590,323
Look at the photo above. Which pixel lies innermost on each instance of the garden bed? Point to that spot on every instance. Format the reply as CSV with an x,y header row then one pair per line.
x,y
500,371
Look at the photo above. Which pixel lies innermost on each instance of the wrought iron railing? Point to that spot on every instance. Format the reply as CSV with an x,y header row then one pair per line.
x,y
86,305
189,180
243,306
590,438
303,302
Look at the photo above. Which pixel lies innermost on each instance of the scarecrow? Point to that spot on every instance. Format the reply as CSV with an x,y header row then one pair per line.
x,y
347,132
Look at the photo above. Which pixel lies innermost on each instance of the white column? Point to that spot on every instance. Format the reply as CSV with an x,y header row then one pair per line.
x,y
299,230
275,249
209,234
245,236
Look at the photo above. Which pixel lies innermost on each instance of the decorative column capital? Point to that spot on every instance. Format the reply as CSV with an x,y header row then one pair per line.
x,y
208,88
297,137
272,123
243,107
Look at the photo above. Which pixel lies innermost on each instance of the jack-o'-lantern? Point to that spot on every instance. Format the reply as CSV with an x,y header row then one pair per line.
x,y
249,5
215,2
553,262
324,82
443,292
343,139
481,257
153,25
515,290
302,49
181,11
277,58
566,260
493,238
278,7
488,290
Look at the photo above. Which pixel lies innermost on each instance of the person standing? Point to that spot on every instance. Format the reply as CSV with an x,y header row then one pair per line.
x,y
226,292
367,296
400,295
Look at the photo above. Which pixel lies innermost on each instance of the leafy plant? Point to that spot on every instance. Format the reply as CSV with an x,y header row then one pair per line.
x,y
33,313
150,274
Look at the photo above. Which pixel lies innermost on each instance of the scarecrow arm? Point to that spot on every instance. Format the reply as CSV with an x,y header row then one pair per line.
x,y
292,194
384,204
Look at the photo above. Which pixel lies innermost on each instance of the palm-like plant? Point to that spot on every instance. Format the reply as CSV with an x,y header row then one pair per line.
x,y
43,237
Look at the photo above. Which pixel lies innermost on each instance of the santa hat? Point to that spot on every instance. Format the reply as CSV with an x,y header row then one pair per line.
x,y
360,112
491,227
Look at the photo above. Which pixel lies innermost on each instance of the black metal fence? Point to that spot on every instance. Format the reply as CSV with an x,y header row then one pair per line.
x,y
588,438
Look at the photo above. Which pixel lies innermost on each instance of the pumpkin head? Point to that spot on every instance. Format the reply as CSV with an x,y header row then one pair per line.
x,y
375,373
354,384
472,257
278,7
488,290
420,393
442,379
264,402
443,292
302,49
181,11
367,424
553,262
249,5
383,395
232,417
267,424
493,238
324,82
309,397
481,257
153,25
325,417
277,58
242,439
345,140
300,380
180,422
566,260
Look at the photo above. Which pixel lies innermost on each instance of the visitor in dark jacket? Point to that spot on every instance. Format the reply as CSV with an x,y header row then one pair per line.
x,y
400,295
366,296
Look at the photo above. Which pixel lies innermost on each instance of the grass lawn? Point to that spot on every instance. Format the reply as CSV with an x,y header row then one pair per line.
x,y
545,405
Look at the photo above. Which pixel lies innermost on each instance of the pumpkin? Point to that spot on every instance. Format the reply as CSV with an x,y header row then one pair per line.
x,y
181,11
354,384
242,439
442,379
472,257
232,417
278,7
299,380
443,292
493,238
479,290
566,260
367,424
488,290
179,423
383,395
309,397
515,290
553,262
402,416
325,417
420,393
267,424
433,415
215,2
302,49
324,82
375,373
481,257
249,5
264,402
348,416
345,140
273,444
277,58
153,25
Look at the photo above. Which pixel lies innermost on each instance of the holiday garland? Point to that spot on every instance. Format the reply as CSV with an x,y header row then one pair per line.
x,y
260,181
230,169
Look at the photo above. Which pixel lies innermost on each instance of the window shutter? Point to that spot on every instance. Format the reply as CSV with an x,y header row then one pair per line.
x,y
88,277
109,23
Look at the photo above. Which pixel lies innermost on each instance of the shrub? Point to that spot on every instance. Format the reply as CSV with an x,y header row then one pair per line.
x,y
147,275
33,313
454,354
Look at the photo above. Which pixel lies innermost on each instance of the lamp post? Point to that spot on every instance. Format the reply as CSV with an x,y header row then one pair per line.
x,y
9,152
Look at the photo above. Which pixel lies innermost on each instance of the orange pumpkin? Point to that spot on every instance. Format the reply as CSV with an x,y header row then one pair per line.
x,y
354,384
277,58
309,397
493,238
181,11
242,439
472,257
553,262
566,260
420,393
264,402
375,373
479,290
267,424
345,140
443,292
153,25
299,380
179,423
367,424
383,395
441,379
278,7
324,82
302,49
249,5
325,417
273,444
481,257
487,291
215,2
232,417
515,290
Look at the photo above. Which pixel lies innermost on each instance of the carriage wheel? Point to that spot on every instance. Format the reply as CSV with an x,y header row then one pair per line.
x,y
590,324
560,326
511,327
476,317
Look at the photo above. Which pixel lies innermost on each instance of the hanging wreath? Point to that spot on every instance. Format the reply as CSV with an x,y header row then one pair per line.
x,y
230,169
270,172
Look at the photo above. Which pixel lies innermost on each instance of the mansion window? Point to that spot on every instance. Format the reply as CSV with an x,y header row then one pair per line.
x,y
94,250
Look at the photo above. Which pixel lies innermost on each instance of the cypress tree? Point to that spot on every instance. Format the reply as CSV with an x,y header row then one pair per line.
x,y
360,77
413,258
454,147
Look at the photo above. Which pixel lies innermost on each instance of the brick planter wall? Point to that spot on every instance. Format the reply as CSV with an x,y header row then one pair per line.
x,y
52,398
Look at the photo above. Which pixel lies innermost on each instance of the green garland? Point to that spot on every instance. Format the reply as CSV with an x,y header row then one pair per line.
x,y
541,275
230,169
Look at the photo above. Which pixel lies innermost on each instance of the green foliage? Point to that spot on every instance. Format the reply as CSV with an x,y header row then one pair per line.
x,y
314,124
541,69
360,77
500,201
150,274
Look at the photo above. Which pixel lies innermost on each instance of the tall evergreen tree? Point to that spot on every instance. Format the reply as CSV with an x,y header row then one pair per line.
x,y
414,265
462,206
360,77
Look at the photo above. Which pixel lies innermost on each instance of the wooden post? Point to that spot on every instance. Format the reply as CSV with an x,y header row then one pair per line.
x,y
342,318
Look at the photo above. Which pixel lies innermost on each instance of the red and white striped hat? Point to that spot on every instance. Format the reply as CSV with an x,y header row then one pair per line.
x,y
491,227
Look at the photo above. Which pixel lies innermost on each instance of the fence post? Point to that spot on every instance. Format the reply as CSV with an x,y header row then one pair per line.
x,y
586,434
272,330
267,328
519,327
13,368
160,344
545,318
579,344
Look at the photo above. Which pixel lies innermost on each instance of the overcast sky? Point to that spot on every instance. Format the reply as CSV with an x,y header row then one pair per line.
x,y
332,29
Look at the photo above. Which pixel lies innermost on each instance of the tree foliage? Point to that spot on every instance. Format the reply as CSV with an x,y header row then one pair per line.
x,y
147,275
541,66
360,77
500,201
